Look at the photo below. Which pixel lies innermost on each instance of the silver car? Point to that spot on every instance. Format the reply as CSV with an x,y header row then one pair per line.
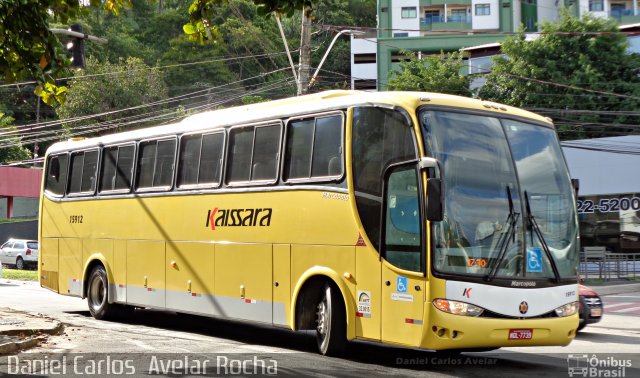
x,y
19,252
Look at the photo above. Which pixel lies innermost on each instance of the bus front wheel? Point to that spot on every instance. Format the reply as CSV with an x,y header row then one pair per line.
x,y
331,322
97,294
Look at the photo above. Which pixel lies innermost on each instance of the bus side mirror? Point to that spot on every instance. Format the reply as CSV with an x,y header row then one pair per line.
x,y
435,203
576,185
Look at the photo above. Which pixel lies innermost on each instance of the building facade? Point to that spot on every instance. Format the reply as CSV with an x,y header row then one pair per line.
x,y
432,26
19,192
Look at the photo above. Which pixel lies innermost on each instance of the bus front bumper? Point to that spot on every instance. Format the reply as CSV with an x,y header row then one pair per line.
x,y
447,331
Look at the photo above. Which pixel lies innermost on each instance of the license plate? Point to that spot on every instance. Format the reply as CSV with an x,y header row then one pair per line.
x,y
521,334
597,312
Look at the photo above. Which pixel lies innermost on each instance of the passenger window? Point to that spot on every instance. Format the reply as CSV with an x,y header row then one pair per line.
x,y
109,161
314,148
211,158
82,178
125,167
117,167
163,174
265,153
56,174
254,153
327,157
155,164
299,141
200,159
89,171
240,150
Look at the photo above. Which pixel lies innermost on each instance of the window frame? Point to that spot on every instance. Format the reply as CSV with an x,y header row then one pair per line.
x,y
482,6
97,172
46,175
409,13
222,162
152,189
600,4
317,179
133,168
227,152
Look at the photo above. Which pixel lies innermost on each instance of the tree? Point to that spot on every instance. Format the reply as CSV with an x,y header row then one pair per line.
x,y
431,74
31,51
578,71
11,150
115,88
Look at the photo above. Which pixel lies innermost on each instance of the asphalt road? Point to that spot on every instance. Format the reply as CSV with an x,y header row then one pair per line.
x,y
158,341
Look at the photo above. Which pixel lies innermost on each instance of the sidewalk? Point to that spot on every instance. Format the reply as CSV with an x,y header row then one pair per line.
x,y
614,287
21,330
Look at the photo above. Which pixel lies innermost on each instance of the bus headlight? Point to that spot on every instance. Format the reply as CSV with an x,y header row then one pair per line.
x,y
567,310
457,308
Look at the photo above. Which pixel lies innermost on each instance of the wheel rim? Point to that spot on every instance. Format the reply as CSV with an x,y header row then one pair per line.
x,y
19,264
97,293
323,316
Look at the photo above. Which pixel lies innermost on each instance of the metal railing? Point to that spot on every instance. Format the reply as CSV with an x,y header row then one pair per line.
x,y
597,262
463,19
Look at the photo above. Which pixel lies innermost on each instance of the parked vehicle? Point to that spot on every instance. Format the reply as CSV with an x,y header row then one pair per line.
x,y
590,308
20,253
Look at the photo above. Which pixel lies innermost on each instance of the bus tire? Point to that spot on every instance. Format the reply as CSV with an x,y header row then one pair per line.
x,y
331,330
97,295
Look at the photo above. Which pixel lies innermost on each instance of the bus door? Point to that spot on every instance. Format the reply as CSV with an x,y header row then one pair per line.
x,y
403,281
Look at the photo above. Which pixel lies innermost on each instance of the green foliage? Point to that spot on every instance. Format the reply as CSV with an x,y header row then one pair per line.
x,y
431,74
112,87
19,275
10,147
247,100
189,78
29,49
575,64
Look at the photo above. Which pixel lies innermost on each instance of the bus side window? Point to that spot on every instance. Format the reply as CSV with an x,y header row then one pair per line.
x,y
57,174
84,168
156,162
254,153
200,159
314,148
117,168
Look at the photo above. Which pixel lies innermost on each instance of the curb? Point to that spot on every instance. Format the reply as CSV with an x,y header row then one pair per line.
x,y
29,333
14,346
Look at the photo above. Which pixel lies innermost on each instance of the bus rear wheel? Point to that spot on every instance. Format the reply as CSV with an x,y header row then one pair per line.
x,y
97,295
331,322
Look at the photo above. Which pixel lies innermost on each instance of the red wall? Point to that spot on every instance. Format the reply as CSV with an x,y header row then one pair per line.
x,y
20,182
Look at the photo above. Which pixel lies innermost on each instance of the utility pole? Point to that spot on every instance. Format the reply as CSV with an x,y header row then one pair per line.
x,y
305,53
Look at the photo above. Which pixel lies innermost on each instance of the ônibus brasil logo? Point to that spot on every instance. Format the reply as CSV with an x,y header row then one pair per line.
x,y
238,218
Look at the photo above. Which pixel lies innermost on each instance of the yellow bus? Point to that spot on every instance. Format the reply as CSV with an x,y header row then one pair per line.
x,y
414,219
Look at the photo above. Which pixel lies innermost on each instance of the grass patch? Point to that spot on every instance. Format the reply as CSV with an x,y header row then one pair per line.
x,y
21,275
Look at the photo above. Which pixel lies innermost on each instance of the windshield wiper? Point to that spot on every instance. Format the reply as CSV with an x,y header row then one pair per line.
x,y
533,225
503,241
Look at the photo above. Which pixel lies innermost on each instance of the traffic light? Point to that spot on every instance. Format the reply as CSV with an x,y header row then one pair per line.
x,y
75,46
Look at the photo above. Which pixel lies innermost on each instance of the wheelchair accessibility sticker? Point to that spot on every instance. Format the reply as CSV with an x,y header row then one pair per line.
x,y
534,260
401,284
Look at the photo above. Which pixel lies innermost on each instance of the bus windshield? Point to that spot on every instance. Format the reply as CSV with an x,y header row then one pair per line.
x,y
508,199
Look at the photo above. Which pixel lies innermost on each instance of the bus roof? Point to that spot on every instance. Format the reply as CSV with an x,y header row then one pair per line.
x,y
289,107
